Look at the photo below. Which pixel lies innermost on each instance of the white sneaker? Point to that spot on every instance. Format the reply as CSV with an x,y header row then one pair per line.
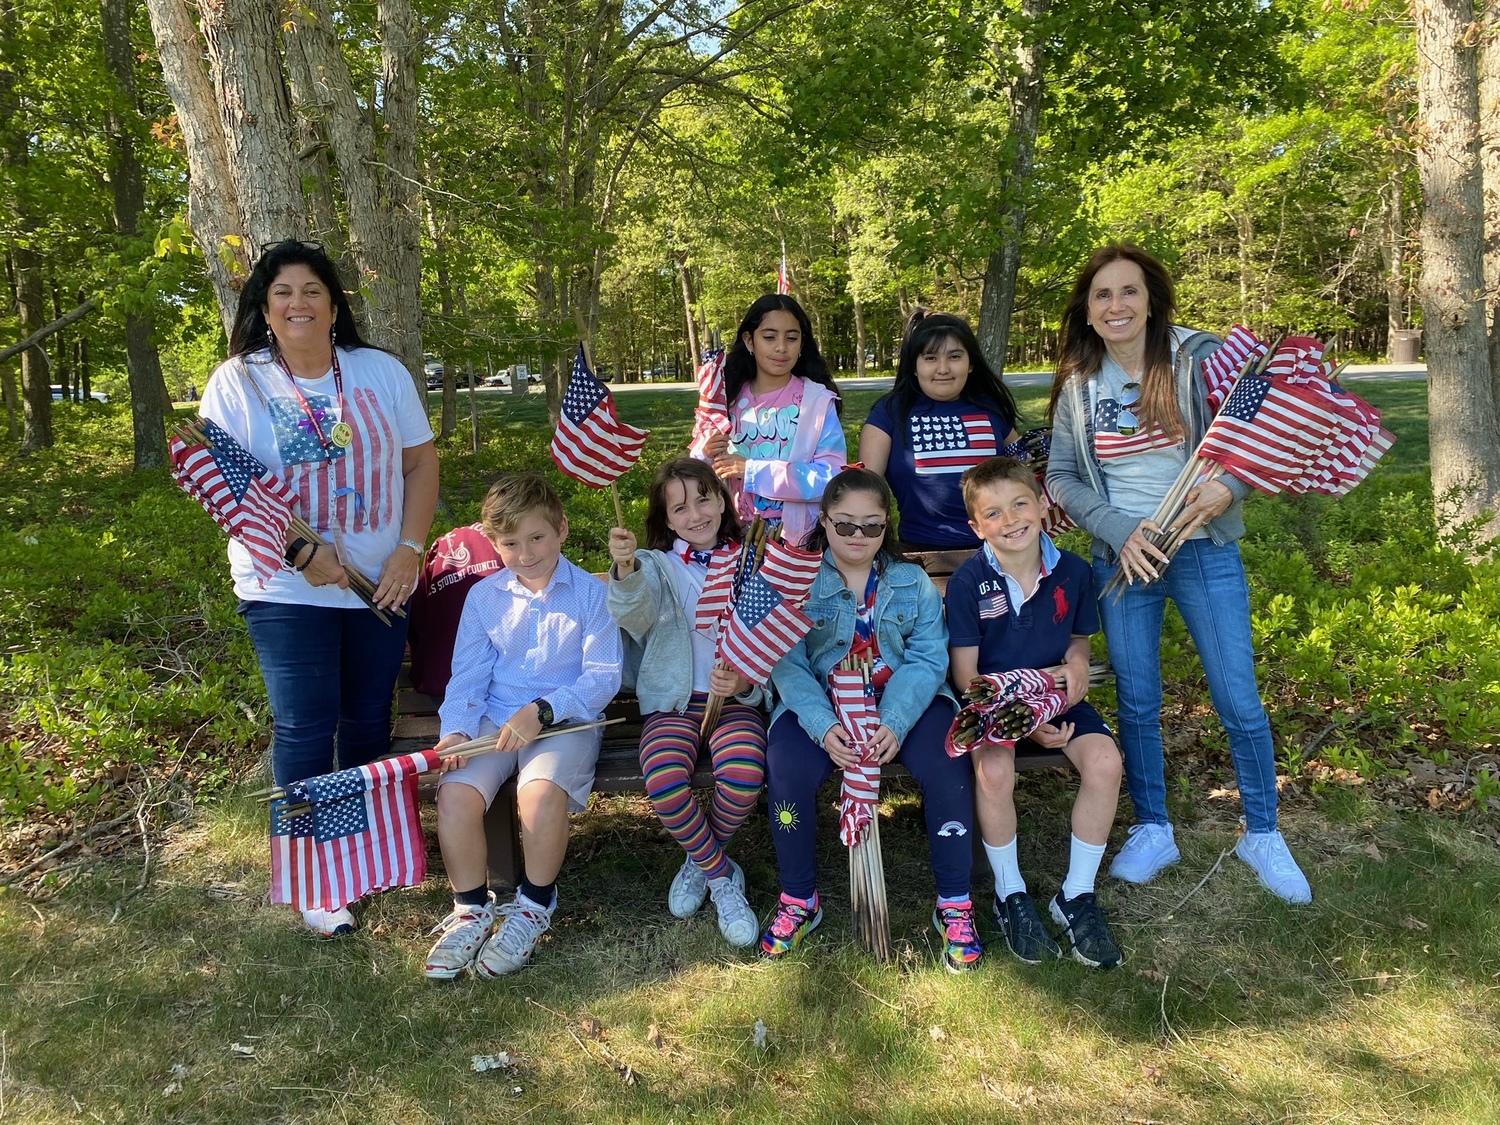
x,y
737,922
688,890
1150,848
522,924
330,923
463,933
1268,857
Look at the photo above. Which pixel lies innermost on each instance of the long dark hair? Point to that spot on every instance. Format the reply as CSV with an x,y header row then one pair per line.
x,y
251,333
1081,350
739,364
690,471
926,333
858,480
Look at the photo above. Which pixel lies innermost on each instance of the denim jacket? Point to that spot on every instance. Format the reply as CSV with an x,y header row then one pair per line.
x,y
1077,482
913,640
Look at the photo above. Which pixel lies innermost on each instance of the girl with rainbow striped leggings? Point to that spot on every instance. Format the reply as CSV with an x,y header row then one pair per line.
x,y
653,595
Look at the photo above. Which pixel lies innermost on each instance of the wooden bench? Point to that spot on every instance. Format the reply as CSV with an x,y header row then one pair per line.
x,y
619,767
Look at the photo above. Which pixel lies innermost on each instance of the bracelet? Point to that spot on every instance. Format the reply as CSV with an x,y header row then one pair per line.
x,y
414,545
294,549
310,558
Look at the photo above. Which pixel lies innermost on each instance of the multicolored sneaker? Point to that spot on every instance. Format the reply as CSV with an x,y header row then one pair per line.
x,y
793,921
962,949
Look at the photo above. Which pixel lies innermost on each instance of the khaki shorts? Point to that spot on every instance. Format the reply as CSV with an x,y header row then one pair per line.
x,y
566,760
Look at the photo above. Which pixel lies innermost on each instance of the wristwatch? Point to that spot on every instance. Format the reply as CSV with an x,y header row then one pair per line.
x,y
414,545
544,712
294,550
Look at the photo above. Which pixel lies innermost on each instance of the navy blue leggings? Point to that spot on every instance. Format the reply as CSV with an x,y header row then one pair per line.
x,y
796,767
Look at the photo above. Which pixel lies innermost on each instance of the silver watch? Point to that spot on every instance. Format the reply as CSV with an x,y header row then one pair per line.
x,y
414,545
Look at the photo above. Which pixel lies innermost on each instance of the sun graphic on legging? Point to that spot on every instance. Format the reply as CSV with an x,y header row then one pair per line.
x,y
784,816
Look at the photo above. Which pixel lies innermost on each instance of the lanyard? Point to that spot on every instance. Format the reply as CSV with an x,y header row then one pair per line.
x,y
342,433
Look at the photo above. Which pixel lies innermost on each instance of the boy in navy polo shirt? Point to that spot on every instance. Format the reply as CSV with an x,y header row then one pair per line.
x,y
1020,602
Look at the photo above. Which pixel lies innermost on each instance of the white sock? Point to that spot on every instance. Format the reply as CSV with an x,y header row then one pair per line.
x,y
1083,866
1007,869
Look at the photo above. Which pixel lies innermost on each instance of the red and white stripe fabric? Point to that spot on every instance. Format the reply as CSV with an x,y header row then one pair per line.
x,y
1223,367
860,790
337,838
790,569
712,415
1038,690
591,443
767,619
718,589
349,493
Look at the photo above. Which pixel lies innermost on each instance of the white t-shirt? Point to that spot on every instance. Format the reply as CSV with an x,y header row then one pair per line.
x,y
354,497
687,584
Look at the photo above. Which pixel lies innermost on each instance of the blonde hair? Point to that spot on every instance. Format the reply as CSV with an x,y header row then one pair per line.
x,y
511,499
992,472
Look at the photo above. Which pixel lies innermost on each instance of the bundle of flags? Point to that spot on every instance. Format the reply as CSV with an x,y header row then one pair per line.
x,y
338,837
244,497
766,620
712,414
1034,448
853,700
591,443
1002,708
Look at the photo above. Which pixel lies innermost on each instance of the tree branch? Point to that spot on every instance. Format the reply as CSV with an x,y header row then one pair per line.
x,y
49,329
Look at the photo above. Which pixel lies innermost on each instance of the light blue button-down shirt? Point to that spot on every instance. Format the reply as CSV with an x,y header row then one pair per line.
x,y
515,646
1013,590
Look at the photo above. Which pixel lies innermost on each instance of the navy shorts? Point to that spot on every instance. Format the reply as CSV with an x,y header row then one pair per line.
x,y
1085,720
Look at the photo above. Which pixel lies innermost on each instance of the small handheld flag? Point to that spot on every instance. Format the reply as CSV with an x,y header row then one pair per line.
x,y
591,443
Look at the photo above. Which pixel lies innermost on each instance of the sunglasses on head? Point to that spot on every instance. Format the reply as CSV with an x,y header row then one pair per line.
x,y
846,529
315,247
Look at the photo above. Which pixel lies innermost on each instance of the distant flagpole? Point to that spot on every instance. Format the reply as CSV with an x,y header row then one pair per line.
x,y
783,279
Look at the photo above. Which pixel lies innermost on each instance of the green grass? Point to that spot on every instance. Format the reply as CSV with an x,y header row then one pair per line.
x,y
1378,1003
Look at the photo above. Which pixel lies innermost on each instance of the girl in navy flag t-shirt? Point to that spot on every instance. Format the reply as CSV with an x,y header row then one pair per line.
x,y
947,412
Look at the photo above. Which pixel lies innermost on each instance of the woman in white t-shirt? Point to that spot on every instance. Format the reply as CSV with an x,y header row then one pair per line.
x,y
341,423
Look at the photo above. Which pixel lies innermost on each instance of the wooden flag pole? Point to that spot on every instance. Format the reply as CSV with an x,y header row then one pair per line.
x,y
614,493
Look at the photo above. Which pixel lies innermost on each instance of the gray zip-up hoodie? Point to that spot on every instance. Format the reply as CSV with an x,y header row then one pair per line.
x,y
1077,482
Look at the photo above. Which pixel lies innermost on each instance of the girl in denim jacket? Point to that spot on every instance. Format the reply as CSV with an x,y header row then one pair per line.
x,y
653,597
868,601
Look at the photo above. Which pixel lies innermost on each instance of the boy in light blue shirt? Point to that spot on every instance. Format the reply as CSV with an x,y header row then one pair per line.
x,y
536,648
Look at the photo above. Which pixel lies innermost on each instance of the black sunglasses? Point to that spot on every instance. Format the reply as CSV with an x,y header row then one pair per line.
x,y
868,530
306,244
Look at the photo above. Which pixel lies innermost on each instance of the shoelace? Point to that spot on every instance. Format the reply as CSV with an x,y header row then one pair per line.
x,y
510,938
789,917
958,925
455,917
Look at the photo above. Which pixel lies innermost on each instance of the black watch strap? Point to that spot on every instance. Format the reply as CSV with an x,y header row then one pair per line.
x,y
294,549
544,712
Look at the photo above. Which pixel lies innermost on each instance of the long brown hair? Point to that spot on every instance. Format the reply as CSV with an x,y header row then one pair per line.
x,y
690,471
1080,349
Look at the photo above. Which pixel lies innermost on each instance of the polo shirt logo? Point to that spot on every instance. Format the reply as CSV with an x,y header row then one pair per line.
x,y
1059,605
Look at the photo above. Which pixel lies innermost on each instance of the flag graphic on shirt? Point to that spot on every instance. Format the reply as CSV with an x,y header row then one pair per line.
x,y
852,703
244,497
337,837
766,621
994,606
591,443
1110,442
1268,432
950,443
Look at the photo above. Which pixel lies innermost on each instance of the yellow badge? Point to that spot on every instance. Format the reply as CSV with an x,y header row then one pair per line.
x,y
343,435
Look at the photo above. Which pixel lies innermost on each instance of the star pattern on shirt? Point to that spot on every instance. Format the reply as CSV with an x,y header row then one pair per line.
x,y
298,444
947,431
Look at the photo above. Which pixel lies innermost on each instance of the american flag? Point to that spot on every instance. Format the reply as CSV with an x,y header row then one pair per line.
x,y
336,838
766,622
951,443
712,415
783,278
244,497
994,606
1268,432
855,708
718,589
591,443
1055,520
1038,690
1358,444
1224,365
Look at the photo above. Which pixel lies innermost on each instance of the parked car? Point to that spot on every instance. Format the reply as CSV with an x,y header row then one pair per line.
x,y
434,370
498,380
97,396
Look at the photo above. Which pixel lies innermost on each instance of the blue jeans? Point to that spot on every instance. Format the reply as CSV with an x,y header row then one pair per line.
x,y
330,674
1207,583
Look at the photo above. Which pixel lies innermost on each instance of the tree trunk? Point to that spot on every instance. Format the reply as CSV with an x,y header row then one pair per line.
x,y
687,306
859,336
213,209
62,362
998,297
1489,159
1395,291
400,47
1464,425
36,381
148,399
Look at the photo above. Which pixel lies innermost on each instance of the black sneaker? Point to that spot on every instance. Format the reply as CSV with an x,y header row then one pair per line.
x,y
1088,933
1022,926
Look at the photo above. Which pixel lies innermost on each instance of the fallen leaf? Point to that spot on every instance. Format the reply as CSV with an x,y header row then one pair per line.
x,y
1374,852
937,1033
653,1036
239,1050
627,1075
1412,923
591,1028
1028,1096
1385,982
1152,1074
761,1035
1155,976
